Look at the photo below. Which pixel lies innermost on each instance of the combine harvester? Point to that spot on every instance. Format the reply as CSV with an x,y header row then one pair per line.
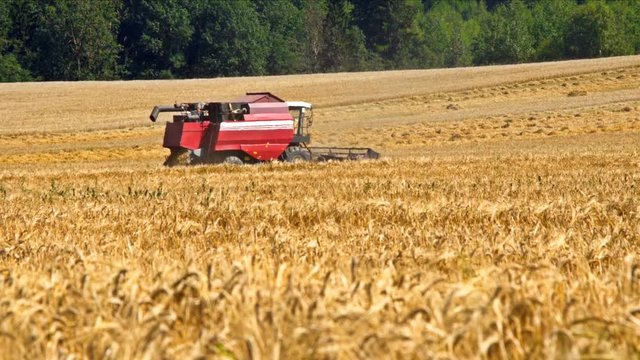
x,y
257,127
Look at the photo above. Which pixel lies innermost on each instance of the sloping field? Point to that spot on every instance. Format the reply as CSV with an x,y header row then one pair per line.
x,y
503,222
396,111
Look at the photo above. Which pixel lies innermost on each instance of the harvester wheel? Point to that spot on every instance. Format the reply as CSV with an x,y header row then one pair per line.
x,y
233,160
296,154
178,157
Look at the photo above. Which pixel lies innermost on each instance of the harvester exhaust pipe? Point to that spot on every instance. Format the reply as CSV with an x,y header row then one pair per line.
x,y
162,108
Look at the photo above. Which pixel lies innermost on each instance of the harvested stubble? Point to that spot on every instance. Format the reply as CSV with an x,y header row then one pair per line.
x,y
526,257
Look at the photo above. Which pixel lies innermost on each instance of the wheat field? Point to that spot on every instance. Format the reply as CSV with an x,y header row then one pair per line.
x,y
503,221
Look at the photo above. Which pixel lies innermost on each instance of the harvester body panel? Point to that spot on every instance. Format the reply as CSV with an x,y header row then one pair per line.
x,y
264,138
187,135
172,135
268,108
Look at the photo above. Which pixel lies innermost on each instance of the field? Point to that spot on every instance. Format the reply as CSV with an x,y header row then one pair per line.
x,y
502,222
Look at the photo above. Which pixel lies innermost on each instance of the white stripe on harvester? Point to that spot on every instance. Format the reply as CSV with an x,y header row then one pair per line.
x,y
257,125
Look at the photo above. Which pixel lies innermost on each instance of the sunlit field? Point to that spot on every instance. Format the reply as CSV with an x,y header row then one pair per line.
x,y
503,221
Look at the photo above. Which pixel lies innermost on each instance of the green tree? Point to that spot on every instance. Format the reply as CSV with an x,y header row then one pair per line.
x,y
285,24
590,32
25,16
155,35
394,31
345,49
448,35
404,28
10,68
5,24
314,14
623,37
229,41
76,40
505,35
369,16
550,23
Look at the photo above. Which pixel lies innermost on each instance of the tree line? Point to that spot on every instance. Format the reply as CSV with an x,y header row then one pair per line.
x,y
150,39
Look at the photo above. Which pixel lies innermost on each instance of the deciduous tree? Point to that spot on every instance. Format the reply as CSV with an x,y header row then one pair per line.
x,y
10,68
344,48
505,35
155,35
77,40
230,40
286,37
550,23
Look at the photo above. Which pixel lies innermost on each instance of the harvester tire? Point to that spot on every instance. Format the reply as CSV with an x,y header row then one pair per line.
x,y
232,160
177,157
296,154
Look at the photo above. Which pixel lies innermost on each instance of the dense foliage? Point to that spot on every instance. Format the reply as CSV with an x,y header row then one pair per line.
x,y
128,39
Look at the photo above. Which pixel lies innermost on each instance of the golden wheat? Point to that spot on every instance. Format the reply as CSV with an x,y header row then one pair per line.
x,y
522,258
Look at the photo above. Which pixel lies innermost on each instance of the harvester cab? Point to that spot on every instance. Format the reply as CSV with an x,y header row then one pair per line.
x,y
254,128
302,114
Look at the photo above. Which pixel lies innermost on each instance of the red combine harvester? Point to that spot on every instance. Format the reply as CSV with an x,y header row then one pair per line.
x,y
254,128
